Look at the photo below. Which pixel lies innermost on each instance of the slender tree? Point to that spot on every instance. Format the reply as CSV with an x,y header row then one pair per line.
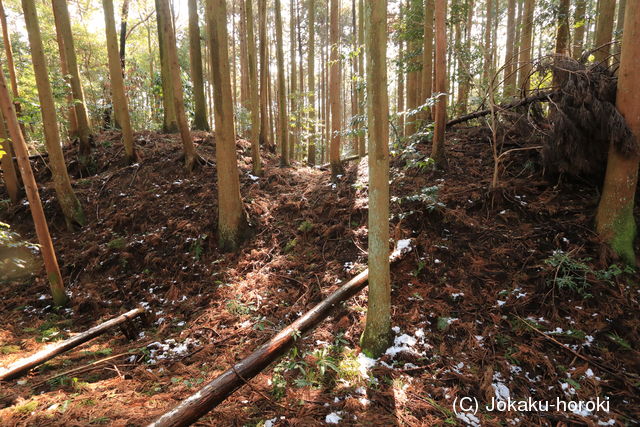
x,y
437,149
509,58
464,85
283,128
232,222
562,41
72,130
427,54
362,145
8,50
377,333
120,103
190,156
334,90
253,90
622,6
413,62
66,197
400,78
124,18
265,141
311,151
61,13
604,31
614,220
9,175
487,61
195,58
169,120
293,86
579,25
526,46
31,189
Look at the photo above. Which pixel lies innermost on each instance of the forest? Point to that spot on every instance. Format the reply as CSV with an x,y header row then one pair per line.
x,y
319,212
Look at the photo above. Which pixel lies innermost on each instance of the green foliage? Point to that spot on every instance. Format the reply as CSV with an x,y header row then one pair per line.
x,y
118,243
27,407
576,275
9,349
291,245
428,197
305,226
239,308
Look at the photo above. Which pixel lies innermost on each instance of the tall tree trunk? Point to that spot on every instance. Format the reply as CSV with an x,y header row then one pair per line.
x,y
72,131
622,5
437,149
117,82
562,41
400,78
232,222
66,197
427,55
256,166
84,126
8,50
518,43
465,81
31,188
510,59
413,11
195,58
604,31
283,128
526,46
245,96
377,334
124,17
362,144
264,76
487,61
579,25
614,220
169,120
9,174
293,118
334,89
190,156
313,116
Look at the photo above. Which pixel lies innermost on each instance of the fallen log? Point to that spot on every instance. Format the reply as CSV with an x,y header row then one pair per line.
x,y
506,106
216,391
343,160
23,366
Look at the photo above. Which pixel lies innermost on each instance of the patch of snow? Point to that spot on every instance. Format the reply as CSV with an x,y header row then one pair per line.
x,y
499,388
365,363
468,419
333,418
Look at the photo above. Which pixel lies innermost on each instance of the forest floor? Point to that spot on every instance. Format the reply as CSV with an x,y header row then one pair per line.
x,y
504,294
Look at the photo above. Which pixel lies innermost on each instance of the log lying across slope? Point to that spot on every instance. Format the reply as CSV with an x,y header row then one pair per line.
x,y
212,394
506,106
23,366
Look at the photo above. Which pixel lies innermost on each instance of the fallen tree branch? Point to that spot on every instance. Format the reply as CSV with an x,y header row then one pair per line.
x,y
507,106
216,391
23,366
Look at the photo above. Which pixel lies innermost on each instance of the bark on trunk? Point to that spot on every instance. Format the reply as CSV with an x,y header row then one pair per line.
x,y
232,222
215,392
66,197
61,13
437,149
604,31
614,220
526,46
23,366
120,103
190,156
311,151
195,57
31,189
377,335
334,90
256,166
